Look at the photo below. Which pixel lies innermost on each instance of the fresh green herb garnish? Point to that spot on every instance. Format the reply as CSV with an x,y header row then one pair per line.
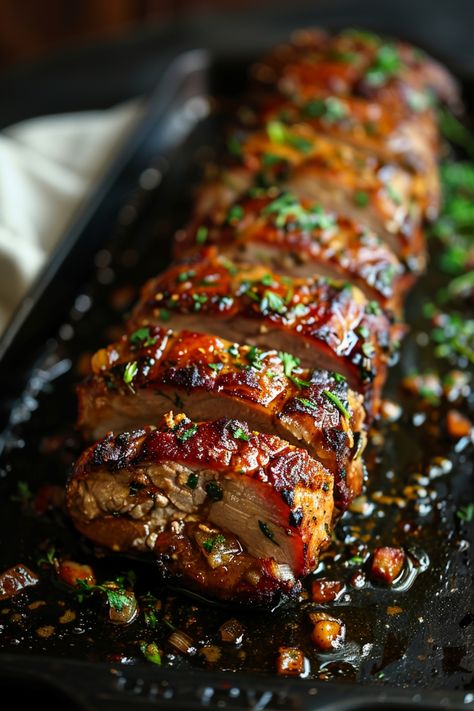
x,y
193,481
24,493
233,350
214,491
142,337
291,214
272,302
331,109
116,595
187,434
199,300
267,531
361,198
186,276
455,131
210,543
254,357
466,513
201,235
355,560
235,213
234,147
151,652
215,366
239,433
290,363
279,133
131,369
387,64
307,403
164,314
336,401
48,558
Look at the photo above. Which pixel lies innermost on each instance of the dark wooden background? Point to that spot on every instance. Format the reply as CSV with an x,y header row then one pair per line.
x,y
34,28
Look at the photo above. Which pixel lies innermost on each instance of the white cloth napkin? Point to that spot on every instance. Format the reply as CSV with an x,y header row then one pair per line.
x,y
48,166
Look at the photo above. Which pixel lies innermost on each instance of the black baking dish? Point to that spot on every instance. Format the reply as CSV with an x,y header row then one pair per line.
x,y
121,238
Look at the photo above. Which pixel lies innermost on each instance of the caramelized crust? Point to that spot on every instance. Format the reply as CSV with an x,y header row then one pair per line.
x,y
357,63
323,323
296,237
248,494
136,380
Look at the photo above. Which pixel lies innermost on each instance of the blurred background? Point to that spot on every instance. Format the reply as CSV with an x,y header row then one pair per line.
x,y
30,29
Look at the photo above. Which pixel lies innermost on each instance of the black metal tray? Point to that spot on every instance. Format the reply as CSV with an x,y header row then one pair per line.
x,y
121,238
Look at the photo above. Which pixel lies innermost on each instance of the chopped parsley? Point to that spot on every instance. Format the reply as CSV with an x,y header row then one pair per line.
x,y
186,276
466,513
290,363
192,481
239,433
290,213
116,595
142,337
254,357
361,198
48,558
330,109
337,402
267,531
267,280
235,214
279,133
233,350
307,403
387,64
201,235
165,315
272,302
214,491
23,492
131,369
187,434
216,367
368,349
199,300
210,543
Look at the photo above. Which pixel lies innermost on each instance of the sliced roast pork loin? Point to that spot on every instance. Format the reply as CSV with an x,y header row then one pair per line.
x,y
360,64
385,131
137,379
383,197
324,324
233,513
298,238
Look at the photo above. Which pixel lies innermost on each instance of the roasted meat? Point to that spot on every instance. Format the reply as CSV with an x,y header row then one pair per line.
x,y
136,380
357,63
296,237
382,197
324,324
234,513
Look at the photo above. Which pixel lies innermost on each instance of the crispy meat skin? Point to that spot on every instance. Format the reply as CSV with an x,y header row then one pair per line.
x,y
325,324
208,377
316,61
139,490
383,197
331,245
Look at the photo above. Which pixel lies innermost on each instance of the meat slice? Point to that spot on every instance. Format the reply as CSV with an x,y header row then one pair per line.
x,y
236,514
296,237
357,63
326,324
382,196
137,379
388,132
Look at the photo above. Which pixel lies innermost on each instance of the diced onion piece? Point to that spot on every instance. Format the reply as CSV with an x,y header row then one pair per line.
x,y
182,642
127,613
387,564
324,590
290,661
14,580
219,548
232,631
